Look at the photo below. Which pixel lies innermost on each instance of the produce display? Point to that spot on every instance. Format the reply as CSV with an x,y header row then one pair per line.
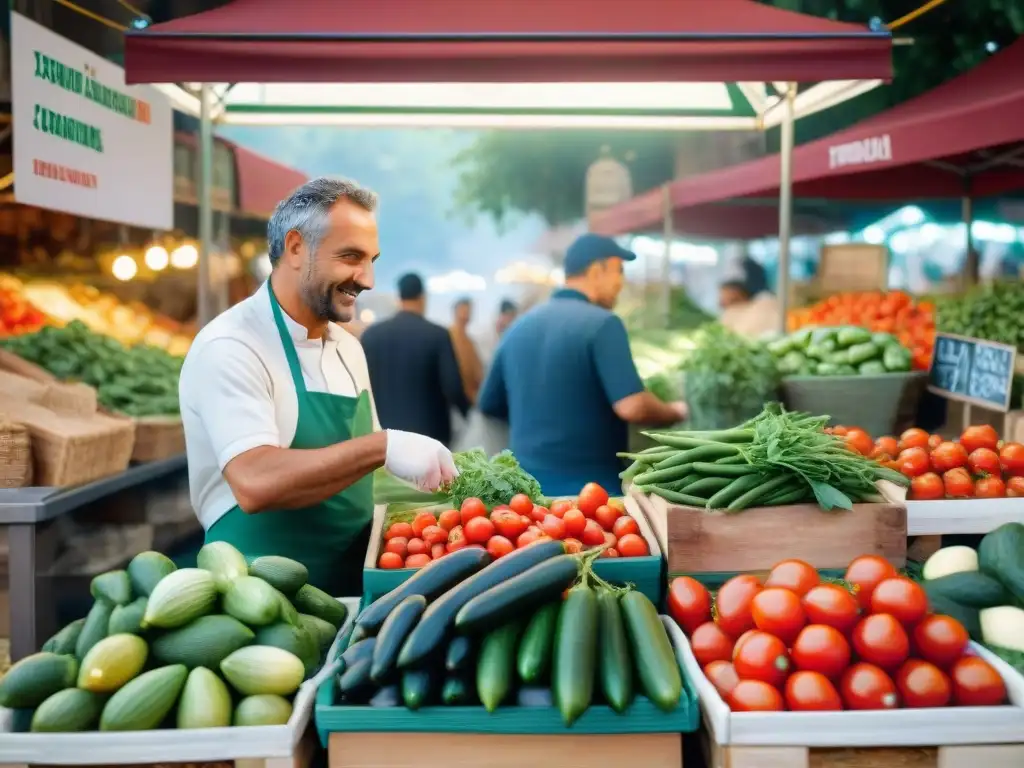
x,y
840,351
415,539
802,643
994,312
896,313
535,628
223,644
134,381
17,314
777,458
977,465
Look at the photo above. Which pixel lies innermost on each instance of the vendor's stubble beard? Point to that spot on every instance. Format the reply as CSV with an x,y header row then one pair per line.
x,y
323,298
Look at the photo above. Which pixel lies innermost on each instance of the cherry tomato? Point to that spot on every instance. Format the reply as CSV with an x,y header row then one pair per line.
x,y
472,507
417,547
902,599
990,488
722,675
741,640
591,497
913,438
1011,457
449,519
528,538
624,525
456,539
575,521
859,441
983,436
403,530
733,604
922,685
508,523
913,461
865,573
928,486
1015,487
632,545
976,683
820,648
689,603
710,643
984,461
572,546
797,576
521,504
808,691
762,657
959,484
399,545
947,456
593,534
478,530
560,506
887,446
434,534
833,606
437,551
421,521
390,561
865,686
538,513
499,546
610,552
881,640
934,442
606,516
553,527
417,561
940,640
755,696
778,612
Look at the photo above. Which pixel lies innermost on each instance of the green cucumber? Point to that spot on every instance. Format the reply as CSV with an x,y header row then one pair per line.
x,y
437,620
533,661
459,654
615,665
205,642
431,582
322,631
358,634
393,633
35,678
318,603
63,643
1001,556
296,640
127,619
388,696
656,664
495,669
456,693
95,627
575,653
354,683
361,650
69,710
112,586
970,588
283,574
417,687
147,569
518,595
143,703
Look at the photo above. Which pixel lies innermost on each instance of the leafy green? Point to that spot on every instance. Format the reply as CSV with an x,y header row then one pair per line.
x,y
1014,658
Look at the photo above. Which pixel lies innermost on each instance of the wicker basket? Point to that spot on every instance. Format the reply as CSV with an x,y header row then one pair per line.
x,y
27,381
15,454
157,438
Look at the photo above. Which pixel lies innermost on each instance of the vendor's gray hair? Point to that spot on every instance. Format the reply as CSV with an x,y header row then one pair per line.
x,y
305,210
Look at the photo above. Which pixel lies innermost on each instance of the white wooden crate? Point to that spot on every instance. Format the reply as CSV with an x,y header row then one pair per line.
x,y
962,516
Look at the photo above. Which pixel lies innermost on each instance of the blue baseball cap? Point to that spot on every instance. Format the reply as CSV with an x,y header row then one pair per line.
x,y
588,248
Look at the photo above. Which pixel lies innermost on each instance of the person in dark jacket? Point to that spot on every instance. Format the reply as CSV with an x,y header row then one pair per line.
x,y
413,371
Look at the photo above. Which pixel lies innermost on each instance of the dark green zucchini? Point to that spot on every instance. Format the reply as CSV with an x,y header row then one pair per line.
x,y
427,637
533,661
354,683
656,664
392,634
459,654
430,581
519,595
495,669
417,685
455,692
575,653
615,666
357,635
973,588
532,696
361,650
388,696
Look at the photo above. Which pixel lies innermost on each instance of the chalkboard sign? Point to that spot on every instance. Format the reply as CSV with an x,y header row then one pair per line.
x,y
973,370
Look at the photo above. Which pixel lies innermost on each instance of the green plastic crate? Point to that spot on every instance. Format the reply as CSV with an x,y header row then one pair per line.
x,y
873,403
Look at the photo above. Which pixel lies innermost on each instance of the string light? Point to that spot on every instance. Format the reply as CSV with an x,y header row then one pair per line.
x,y
124,268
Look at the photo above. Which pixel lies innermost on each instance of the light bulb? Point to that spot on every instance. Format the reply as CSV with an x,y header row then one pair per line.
x,y
124,268
184,257
157,258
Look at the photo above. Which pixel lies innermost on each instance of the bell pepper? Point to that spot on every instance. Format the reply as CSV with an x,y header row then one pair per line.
x,y
848,337
861,353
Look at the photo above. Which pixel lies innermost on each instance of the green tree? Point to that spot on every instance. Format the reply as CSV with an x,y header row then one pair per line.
x,y
507,172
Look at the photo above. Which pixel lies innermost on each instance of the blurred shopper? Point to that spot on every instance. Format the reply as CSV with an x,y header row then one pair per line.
x,y
564,379
507,313
470,368
413,370
748,307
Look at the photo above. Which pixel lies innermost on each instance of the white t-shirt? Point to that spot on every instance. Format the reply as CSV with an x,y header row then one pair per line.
x,y
237,393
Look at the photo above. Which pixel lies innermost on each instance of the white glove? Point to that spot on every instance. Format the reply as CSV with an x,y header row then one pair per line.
x,y
418,459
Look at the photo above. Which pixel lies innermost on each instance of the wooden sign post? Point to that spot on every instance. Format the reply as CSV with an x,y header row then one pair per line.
x,y
973,371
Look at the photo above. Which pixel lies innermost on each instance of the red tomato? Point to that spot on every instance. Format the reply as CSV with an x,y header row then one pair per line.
x,y
755,696
820,648
762,657
478,530
421,521
859,441
528,538
1011,457
632,545
456,539
508,523
521,504
710,643
742,639
928,486
575,522
976,683
591,497
403,530
881,640
902,599
437,551
610,552
572,546
959,484
949,456
833,606
553,527
593,534
624,525
865,573
417,547
417,561
777,611
689,603
887,446
983,436
472,507
434,534
865,686
934,442
733,604
913,438
984,461
1015,487
499,546
606,516
795,575
722,675
538,513
923,685
610,539
913,461
449,519
399,545
390,561
940,640
561,506
811,692
990,488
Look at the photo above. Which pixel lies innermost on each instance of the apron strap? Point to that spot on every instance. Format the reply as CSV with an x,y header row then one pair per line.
x,y
287,343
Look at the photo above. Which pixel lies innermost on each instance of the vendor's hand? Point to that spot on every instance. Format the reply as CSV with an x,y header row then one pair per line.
x,y
418,459
681,409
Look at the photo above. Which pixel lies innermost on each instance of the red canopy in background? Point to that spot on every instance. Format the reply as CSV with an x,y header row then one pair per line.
x,y
965,137
502,41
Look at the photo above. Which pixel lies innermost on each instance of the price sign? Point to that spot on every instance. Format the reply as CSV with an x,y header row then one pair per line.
x,y
975,371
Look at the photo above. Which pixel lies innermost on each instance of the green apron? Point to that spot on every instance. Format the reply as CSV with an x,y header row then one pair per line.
x,y
329,538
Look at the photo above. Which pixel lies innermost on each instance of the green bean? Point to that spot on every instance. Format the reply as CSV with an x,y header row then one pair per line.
x,y
649,458
736,459
679,441
706,486
734,490
757,493
738,435
793,497
674,496
723,470
701,453
656,476
795,484
678,485
632,471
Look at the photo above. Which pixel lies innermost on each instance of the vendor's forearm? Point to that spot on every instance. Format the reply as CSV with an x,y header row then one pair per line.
x,y
269,478
645,408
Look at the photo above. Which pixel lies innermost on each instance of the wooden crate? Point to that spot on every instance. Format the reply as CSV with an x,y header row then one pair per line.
x,y
473,750
698,541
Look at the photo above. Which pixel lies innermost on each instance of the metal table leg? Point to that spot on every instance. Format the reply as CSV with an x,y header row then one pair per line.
x,y
33,613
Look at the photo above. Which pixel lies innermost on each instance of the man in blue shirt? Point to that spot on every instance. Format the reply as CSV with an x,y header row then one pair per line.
x,y
564,379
